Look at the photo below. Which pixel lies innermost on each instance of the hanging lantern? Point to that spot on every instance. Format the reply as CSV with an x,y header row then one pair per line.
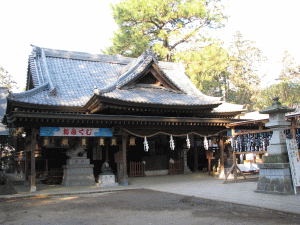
x,y
172,145
146,146
188,142
113,141
205,143
46,141
101,142
132,141
65,142
83,142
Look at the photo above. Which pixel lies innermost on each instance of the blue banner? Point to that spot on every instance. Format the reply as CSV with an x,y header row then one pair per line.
x,y
76,132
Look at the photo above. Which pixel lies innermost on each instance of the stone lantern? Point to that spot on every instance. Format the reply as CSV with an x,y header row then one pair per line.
x,y
274,173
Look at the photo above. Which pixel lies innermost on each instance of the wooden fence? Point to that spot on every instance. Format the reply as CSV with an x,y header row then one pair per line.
x,y
137,169
55,176
176,167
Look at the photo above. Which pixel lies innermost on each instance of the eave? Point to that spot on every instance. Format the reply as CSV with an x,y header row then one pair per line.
x,y
250,124
12,104
34,119
97,100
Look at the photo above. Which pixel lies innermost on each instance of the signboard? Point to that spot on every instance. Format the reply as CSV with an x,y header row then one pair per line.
x,y
294,161
76,132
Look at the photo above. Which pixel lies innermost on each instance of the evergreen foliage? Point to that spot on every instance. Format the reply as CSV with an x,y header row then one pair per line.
x,y
244,62
177,31
288,88
6,79
165,25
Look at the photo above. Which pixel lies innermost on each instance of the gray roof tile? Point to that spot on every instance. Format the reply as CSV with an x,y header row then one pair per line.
x,y
75,75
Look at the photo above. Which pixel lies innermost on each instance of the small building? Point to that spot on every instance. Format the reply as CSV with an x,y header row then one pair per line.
x,y
124,110
250,138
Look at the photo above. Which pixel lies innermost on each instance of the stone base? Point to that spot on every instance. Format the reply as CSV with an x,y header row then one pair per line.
x,y
107,181
156,172
187,171
78,175
275,178
276,159
32,188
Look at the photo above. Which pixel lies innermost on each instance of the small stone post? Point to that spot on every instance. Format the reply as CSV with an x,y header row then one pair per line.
x,y
186,169
274,173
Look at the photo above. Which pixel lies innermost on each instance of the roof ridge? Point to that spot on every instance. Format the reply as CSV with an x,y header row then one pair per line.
x,y
67,54
56,53
30,92
133,71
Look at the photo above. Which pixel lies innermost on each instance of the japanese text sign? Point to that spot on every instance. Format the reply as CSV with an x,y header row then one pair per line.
x,y
294,160
76,132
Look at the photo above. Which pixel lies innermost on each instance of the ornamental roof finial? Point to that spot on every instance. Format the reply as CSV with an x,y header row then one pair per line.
x,y
96,90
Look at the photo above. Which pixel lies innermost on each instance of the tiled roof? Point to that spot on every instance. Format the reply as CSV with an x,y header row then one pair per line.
x,y
228,107
65,78
157,95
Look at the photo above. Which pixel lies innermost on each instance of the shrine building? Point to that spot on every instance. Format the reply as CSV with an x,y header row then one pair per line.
x,y
129,112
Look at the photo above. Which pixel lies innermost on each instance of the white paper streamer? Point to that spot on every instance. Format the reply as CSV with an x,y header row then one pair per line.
x,y
146,146
172,145
188,142
205,143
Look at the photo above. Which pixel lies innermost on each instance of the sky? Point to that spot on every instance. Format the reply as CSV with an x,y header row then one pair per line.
x,y
87,26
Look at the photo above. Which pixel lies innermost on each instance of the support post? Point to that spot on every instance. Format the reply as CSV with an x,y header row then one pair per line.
x,y
293,129
124,150
33,147
221,147
26,166
195,157
234,171
106,153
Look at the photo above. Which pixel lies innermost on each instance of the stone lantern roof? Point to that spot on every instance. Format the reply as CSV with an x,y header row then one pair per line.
x,y
276,107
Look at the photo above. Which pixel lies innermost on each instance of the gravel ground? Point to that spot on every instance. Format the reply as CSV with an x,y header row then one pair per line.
x,y
134,207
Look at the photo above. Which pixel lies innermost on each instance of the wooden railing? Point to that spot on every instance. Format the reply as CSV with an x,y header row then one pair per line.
x,y
176,167
137,169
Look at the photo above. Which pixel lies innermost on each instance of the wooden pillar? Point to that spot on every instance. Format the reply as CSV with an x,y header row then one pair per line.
x,y
24,173
234,157
27,160
195,156
260,126
32,157
221,147
235,169
106,153
209,166
293,128
124,150
47,172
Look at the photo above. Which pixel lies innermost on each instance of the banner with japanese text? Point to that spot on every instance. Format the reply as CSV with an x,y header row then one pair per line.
x,y
294,160
76,132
